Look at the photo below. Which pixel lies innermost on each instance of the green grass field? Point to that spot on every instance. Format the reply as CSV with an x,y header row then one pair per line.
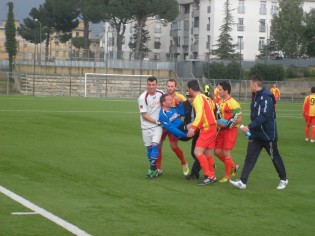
x,y
83,160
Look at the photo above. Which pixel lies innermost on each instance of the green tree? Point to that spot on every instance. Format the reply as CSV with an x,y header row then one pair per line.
x,y
90,11
118,17
286,28
225,49
309,33
142,9
144,39
53,17
10,32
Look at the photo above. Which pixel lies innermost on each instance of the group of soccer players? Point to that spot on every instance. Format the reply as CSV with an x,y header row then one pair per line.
x,y
161,116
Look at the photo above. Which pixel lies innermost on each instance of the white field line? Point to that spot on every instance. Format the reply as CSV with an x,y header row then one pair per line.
x,y
24,213
64,224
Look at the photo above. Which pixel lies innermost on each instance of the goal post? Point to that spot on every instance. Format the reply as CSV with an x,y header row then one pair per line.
x,y
113,85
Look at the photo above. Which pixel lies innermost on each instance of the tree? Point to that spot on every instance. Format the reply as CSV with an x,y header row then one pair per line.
x,y
90,11
10,32
144,39
286,28
142,9
309,33
118,17
55,16
225,48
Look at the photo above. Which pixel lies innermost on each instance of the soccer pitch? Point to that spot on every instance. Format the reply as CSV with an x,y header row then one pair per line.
x,y
82,160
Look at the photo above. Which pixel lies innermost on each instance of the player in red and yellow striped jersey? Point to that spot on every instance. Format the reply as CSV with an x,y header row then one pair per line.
x,y
206,123
275,91
230,111
176,99
309,115
216,95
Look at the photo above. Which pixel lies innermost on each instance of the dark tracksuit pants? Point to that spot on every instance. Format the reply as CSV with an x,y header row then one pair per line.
x,y
254,148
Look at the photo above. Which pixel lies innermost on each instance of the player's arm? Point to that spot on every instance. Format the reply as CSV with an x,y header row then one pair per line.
x,y
168,125
146,117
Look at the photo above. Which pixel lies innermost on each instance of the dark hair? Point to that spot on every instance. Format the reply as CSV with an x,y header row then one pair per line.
x,y
152,79
194,85
257,79
172,80
162,98
225,86
313,89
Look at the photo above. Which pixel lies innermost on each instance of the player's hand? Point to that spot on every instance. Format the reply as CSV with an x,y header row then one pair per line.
x,y
177,101
191,132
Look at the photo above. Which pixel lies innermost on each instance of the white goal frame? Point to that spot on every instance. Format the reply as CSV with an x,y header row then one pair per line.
x,y
109,75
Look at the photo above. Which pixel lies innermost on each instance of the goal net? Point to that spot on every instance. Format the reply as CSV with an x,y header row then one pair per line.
x,y
114,85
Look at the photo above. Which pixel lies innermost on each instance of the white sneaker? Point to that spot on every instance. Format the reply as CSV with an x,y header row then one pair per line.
x,y
312,141
185,169
306,139
238,184
283,184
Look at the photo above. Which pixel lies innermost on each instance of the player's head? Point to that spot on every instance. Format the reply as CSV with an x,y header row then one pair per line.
x,y
255,83
193,87
151,84
275,85
313,90
224,86
171,86
166,101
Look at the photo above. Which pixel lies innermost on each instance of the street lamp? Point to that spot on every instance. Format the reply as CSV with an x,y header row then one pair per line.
x,y
40,39
34,66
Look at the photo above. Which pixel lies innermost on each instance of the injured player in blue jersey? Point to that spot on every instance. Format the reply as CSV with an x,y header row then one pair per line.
x,y
170,117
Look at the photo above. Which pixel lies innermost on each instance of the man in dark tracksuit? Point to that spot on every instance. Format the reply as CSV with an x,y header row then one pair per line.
x,y
263,129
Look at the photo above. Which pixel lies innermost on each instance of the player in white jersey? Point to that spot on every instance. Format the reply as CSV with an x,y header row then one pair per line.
x,y
149,107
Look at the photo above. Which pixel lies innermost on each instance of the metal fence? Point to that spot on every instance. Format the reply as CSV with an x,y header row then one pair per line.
x,y
105,86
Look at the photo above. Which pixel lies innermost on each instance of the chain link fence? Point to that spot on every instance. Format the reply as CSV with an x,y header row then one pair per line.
x,y
105,86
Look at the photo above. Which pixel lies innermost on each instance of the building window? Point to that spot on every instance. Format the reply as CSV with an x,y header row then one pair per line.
x,y
157,28
186,8
262,25
209,9
196,22
240,25
157,43
77,34
208,25
240,43
274,8
263,8
241,7
261,43
208,42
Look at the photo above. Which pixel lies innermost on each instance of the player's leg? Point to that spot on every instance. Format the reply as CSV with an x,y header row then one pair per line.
x,y
159,160
254,148
179,153
307,127
313,129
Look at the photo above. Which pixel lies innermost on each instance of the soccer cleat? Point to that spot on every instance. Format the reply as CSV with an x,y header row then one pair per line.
x,y
152,173
234,170
160,172
224,179
306,139
283,184
192,177
238,184
185,169
207,180
312,141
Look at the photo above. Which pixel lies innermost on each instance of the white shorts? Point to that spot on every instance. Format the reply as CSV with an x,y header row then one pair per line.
x,y
152,135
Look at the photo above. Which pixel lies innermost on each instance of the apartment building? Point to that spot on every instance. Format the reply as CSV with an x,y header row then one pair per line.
x,y
196,30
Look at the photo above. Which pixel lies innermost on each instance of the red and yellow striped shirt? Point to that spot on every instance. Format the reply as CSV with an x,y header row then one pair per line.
x,y
203,106
309,105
